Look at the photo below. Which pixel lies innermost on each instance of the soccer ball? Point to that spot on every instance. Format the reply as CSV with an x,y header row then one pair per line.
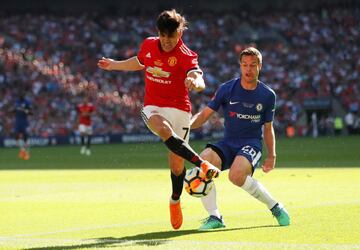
x,y
196,184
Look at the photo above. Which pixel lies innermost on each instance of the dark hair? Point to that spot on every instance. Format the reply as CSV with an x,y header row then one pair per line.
x,y
251,51
170,21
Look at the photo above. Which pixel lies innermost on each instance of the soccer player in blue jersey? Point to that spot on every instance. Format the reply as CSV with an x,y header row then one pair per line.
x,y
248,106
22,110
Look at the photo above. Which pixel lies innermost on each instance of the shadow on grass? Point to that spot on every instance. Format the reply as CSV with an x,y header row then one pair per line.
x,y
145,239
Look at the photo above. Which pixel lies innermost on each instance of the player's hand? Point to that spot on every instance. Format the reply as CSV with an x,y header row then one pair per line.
x,y
105,63
191,83
269,164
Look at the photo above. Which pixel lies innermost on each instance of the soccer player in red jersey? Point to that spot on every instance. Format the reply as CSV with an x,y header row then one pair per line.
x,y
85,111
171,70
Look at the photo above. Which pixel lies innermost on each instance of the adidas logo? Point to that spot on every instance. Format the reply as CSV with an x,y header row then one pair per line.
x,y
148,55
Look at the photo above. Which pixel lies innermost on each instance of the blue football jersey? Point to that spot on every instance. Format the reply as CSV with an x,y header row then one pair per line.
x,y
245,111
22,108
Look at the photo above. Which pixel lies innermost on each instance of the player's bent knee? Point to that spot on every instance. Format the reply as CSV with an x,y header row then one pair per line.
x,y
237,178
211,156
206,154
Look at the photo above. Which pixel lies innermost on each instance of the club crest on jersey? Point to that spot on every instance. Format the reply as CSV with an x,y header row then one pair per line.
x,y
172,61
158,62
259,107
157,72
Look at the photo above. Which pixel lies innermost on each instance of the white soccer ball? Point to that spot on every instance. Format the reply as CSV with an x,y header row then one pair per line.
x,y
196,184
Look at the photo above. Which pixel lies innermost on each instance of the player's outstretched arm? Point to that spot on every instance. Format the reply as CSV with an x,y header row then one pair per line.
x,y
269,138
195,81
131,64
200,118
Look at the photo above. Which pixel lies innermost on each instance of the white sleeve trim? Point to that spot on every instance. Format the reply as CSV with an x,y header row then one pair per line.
x,y
139,61
194,70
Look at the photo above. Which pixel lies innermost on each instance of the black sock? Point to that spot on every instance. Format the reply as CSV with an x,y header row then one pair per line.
x,y
177,185
82,140
181,148
88,141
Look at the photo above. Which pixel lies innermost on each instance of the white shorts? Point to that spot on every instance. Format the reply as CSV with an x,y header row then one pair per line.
x,y
178,119
85,129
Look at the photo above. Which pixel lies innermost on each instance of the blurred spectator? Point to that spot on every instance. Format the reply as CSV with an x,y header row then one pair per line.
x,y
314,125
329,125
338,125
308,54
290,131
350,122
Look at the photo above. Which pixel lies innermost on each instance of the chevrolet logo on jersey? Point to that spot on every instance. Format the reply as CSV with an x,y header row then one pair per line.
x,y
157,72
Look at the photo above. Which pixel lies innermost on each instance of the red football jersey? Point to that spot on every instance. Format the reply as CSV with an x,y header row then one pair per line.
x,y
85,110
165,73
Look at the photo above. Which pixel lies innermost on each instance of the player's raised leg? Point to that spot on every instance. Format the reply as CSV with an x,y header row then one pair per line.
x,y
163,128
183,149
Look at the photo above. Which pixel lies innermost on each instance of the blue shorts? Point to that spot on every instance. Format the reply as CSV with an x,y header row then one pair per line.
x,y
21,128
227,153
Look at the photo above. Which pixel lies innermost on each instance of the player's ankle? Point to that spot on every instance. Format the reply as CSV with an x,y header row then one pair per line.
x,y
172,201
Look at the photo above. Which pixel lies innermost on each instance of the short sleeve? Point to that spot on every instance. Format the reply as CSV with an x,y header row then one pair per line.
x,y
191,64
217,99
141,53
270,111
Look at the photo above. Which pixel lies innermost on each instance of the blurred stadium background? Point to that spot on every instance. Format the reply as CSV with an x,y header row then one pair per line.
x,y
62,200
311,51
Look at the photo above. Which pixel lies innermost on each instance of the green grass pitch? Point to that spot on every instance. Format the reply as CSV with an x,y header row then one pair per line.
x,y
118,198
